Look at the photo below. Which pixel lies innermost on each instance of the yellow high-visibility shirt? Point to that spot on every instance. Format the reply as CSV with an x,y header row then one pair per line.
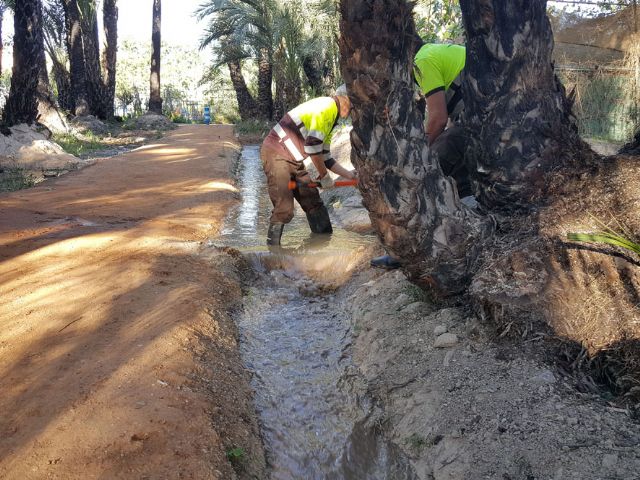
x,y
436,66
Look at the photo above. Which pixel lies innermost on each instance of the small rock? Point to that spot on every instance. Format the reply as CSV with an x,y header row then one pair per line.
x,y
448,357
546,377
402,299
416,307
439,330
446,340
609,460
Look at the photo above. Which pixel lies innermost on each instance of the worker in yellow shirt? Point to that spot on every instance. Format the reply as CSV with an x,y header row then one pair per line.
x,y
301,138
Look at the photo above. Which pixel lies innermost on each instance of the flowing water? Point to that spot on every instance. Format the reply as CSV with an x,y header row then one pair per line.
x,y
295,340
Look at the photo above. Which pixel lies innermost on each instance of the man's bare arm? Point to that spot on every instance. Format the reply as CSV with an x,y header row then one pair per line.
x,y
438,116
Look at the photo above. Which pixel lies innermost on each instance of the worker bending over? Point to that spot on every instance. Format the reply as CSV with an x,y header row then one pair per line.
x,y
303,135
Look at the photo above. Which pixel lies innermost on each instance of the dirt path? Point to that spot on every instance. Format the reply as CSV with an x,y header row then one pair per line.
x,y
117,355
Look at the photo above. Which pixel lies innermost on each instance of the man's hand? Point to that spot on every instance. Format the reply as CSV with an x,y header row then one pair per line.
x,y
327,182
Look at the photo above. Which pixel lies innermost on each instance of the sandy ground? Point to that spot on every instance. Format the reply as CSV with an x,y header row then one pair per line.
x,y
118,357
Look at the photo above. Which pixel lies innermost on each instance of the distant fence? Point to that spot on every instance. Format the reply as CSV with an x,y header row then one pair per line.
x,y
222,103
606,100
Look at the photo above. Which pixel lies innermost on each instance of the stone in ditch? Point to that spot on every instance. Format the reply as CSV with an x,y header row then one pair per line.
x,y
439,330
546,377
446,340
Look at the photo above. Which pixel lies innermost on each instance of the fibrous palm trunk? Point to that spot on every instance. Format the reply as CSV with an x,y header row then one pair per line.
x,y
265,77
28,54
515,107
414,208
2,10
246,104
109,55
78,100
91,49
155,99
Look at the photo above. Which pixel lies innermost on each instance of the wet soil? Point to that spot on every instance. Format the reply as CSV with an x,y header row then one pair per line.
x,y
118,357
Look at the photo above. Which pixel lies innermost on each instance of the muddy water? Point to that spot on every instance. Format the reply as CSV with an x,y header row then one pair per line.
x,y
295,340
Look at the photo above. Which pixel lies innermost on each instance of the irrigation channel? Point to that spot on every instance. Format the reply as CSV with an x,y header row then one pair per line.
x,y
295,340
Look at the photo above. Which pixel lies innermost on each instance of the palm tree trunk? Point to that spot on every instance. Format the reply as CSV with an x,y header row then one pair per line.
x,y
265,78
3,7
109,55
79,102
633,147
313,72
91,49
515,107
414,208
155,99
28,53
63,85
246,103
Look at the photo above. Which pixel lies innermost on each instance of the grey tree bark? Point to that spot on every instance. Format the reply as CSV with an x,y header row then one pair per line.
x,y
28,53
515,107
155,98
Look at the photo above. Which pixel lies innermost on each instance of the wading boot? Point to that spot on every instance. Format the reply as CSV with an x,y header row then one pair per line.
x,y
274,234
319,220
385,261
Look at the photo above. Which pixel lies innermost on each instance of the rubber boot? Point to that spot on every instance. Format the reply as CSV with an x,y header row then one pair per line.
x,y
385,261
274,234
319,220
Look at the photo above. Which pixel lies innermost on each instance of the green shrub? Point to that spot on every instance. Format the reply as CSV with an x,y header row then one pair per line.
x,y
12,179
253,127
79,145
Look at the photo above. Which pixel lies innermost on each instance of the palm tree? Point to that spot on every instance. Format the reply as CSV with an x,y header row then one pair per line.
x,y
28,55
240,30
54,43
109,55
91,52
516,110
3,8
155,97
293,44
79,102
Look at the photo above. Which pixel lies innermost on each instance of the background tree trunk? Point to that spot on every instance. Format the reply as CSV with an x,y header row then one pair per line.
x,y
109,55
313,71
63,84
265,77
3,7
633,147
515,107
246,104
155,98
48,113
91,49
79,102
28,53
414,208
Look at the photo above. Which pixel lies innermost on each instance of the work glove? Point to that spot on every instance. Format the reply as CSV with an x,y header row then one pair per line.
x,y
327,182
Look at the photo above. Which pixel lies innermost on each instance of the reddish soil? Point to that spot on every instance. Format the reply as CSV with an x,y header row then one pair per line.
x,y
118,358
